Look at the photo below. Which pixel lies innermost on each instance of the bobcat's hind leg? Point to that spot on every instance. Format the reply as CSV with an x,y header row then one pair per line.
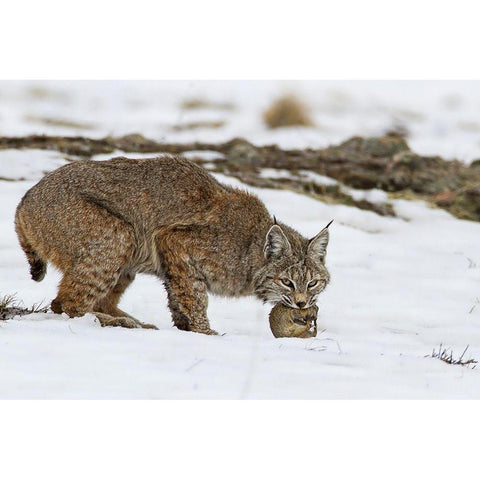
x,y
100,248
77,294
77,297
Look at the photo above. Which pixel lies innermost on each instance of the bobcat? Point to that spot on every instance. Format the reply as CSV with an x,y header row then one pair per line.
x,y
102,222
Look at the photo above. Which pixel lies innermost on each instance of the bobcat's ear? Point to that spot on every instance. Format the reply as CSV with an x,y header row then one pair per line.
x,y
317,247
276,243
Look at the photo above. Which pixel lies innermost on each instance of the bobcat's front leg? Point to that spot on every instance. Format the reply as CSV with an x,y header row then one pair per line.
x,y
188,300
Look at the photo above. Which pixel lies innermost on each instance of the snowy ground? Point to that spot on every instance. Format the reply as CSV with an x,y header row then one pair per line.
x,y
400,286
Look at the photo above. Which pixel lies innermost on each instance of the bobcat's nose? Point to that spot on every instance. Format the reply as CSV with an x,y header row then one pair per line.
x,y
301,304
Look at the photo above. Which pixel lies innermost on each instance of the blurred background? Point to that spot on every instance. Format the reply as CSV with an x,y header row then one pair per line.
x,y
436,117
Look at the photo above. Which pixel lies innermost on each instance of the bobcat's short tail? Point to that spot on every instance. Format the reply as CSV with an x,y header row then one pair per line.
x,y
38,267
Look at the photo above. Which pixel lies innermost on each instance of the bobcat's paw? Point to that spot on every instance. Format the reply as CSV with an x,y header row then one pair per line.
x,y
70,308
125,322
210,332
148,326
205,331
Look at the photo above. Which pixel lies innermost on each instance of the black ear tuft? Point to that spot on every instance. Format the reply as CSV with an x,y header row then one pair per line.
x,y
317,246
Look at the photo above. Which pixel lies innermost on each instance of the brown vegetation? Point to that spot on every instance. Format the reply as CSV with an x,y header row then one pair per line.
x,y
287,111
385,162
58,122
197,125
201,103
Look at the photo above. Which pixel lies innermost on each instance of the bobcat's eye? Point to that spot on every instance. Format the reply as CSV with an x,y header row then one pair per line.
x,y
287,282
313,283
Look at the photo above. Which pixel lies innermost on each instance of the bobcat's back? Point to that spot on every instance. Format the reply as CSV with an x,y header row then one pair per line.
x,y
147,191
142,197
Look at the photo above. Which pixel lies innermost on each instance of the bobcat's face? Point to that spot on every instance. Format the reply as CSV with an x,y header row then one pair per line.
x,y
293,276
299,285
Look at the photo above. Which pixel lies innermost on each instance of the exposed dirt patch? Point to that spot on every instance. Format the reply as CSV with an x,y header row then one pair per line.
x,y
386,163
331,194
76,146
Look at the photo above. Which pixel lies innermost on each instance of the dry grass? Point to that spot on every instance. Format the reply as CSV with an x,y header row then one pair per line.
x,y
202,103
7,301
41,93
58,122
477,302
198,125
10,307
287,111
446,355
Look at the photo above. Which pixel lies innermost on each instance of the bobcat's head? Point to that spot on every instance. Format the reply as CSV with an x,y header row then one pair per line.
x,y
295,272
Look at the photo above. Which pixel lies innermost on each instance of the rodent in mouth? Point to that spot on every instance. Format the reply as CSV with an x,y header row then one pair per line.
x,y
292,322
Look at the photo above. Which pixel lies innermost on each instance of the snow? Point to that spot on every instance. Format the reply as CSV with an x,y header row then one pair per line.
x,y
274,173
373,195
317,178
400,287
28,164
395,295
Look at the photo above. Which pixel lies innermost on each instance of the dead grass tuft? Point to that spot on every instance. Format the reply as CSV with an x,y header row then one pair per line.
x,y
10,307
7,301
287,111
446,355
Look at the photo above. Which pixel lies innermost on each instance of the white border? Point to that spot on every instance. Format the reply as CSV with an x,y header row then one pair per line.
x,y
221,40
239,439
212,39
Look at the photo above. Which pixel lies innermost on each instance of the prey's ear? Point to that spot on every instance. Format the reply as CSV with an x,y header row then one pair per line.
x,y
317,247
276,243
